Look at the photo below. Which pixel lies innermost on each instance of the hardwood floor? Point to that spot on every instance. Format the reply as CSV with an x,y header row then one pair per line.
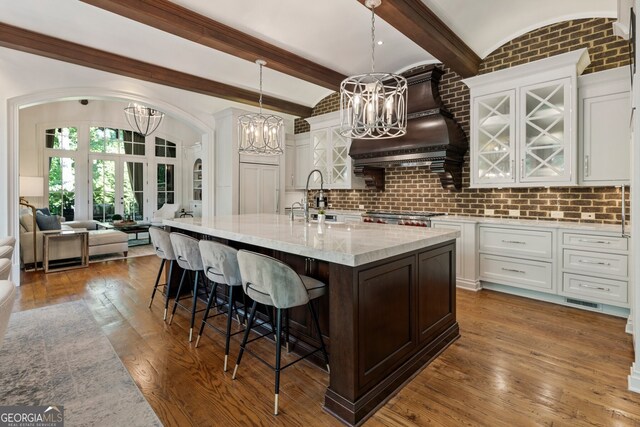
x,y
519,362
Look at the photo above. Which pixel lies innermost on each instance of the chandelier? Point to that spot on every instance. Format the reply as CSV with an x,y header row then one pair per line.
x,y
260,133
373,105
143,120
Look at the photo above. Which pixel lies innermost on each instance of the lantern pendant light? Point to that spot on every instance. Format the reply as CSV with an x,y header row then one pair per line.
x,y
373,105
143,120
260,133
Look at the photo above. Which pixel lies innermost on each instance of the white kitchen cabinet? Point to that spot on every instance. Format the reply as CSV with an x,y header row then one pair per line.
x,y
523,123
302,165
259,188
466,250
289,163
605,132
330,154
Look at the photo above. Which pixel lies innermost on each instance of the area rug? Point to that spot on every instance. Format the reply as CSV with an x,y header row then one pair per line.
x,y
58,355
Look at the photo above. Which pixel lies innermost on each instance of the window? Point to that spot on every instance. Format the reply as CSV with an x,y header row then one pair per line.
x,y
165,148
133,196
166,190
61,138
62,186
115,141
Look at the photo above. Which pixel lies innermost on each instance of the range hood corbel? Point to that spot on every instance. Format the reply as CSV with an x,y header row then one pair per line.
x,y
433,137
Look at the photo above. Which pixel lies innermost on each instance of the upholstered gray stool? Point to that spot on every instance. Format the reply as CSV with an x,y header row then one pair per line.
x,y
162,244
5,268
6,252
220,264
7,295
188,258
8,241
272,283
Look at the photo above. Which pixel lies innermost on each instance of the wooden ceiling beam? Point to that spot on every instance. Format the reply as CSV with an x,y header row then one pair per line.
x,y
182,22
62,50
416,21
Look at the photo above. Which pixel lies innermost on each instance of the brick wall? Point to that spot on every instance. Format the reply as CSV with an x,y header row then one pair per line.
x,y
417,189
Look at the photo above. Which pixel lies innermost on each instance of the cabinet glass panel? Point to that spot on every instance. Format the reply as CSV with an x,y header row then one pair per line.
x,y
544,133
320,141
495,138
339,157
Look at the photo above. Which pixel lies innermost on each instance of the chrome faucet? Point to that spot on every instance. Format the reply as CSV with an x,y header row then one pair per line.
x,y
306,193
291,215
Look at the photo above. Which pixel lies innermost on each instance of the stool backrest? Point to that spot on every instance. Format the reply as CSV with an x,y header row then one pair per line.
x,y
162,243
271,282
187,251
5,269
220,263
6,252
8,241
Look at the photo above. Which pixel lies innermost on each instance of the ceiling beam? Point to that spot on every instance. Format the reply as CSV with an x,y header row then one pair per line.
x,y
62,50
182,22
416,21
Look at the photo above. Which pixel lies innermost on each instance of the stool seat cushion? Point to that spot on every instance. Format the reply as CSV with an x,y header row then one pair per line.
x,y
106,237
5,268
6,252
315,288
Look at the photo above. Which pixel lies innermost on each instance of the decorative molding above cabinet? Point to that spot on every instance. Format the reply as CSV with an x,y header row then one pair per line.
x,y
604,102
524,123
329,152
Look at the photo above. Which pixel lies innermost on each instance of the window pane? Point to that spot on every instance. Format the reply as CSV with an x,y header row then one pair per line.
x,y
159,151
170,197
62,186
171,152
133,190
104,189
138,138
128,148
127,135
138,149
169,178
96,140
160,199
62,138
112,141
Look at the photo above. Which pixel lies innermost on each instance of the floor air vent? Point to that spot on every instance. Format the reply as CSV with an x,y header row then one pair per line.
x,y
591,305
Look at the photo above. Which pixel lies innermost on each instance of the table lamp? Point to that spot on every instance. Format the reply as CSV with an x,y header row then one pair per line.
x,y
32,186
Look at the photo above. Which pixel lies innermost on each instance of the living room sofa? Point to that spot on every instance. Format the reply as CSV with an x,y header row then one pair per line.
x,y
100,242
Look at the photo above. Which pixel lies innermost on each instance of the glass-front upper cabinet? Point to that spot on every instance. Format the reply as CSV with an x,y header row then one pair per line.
x,y
545,152
339,158
494,138
197,180
524,123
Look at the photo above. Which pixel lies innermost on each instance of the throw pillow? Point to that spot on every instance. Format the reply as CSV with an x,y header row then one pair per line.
x,y
47,222
45,211
26,220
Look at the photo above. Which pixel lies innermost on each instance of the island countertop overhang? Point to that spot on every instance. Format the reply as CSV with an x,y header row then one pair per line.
x,y
351,244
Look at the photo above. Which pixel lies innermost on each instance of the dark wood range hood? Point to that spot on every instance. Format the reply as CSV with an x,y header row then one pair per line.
x,y
433,137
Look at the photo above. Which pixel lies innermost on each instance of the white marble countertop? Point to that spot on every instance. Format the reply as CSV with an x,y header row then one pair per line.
x,y
561,225
351,244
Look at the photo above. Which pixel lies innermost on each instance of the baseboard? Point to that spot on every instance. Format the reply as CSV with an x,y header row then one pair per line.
x,y
629,328
472,285
634,378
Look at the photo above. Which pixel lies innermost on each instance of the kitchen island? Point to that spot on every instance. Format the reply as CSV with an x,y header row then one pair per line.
x,y
390,307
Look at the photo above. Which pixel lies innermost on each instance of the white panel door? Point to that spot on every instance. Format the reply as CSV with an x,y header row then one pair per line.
x,y
249,188
269,189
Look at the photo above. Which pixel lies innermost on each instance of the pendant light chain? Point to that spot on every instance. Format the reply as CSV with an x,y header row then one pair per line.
x,y
373,40
260,89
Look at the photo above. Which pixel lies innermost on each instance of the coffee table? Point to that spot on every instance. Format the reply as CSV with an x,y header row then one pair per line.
x,y
133,229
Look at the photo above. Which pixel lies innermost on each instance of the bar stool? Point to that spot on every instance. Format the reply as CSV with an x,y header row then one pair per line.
x,y
272,283
6,252
188,258
162,244
220,264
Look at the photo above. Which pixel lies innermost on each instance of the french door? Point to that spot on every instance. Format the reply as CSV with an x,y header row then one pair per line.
x,y
117,187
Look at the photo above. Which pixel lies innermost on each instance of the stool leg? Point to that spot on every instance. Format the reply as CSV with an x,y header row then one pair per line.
x,y
229,319
278,348
315,320
167,289
155,287
193,306
175,303
286,333
212,296
244,338
273,324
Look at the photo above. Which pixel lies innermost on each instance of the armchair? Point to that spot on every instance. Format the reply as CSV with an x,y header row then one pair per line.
x,y
167,211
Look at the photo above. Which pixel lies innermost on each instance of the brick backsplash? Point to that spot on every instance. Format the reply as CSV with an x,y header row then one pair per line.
x,y
417,189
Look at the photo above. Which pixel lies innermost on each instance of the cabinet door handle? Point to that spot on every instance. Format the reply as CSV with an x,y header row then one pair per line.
x,y
599,288
514,241
514,270
594,241
586,165
584,261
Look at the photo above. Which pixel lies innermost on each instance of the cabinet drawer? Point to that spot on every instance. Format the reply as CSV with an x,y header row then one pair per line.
x,y
515,242
595,289
595,242
595,262
535,275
